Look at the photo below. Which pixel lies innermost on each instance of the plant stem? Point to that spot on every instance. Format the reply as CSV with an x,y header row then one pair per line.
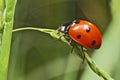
x,y
6,38
51,32
96,69
32,28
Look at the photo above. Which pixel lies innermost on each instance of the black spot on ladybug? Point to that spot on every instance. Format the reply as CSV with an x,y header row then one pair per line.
x,y
93,43
77,21
79,36
88,29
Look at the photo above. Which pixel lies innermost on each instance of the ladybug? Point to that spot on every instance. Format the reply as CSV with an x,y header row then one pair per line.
x,y
82,32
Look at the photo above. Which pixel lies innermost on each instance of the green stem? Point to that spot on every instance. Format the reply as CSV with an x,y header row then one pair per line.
x,y
6,38
51,32
96,69
32,28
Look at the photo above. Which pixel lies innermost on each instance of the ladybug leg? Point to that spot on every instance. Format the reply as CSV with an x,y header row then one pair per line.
x,y
70,41
63,35
58,33
83,54
60,36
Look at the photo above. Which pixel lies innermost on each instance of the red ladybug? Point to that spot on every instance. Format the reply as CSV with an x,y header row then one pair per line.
x,y
83,32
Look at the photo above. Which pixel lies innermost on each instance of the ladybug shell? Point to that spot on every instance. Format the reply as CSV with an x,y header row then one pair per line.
x,y
85,34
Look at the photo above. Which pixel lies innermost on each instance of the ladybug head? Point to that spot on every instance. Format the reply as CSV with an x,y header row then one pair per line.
x,y
61,29
64,28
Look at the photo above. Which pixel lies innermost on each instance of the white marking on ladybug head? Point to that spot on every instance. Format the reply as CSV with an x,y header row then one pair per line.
x,y
62,28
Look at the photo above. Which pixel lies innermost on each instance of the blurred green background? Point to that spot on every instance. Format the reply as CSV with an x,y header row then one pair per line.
x,y
38,56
